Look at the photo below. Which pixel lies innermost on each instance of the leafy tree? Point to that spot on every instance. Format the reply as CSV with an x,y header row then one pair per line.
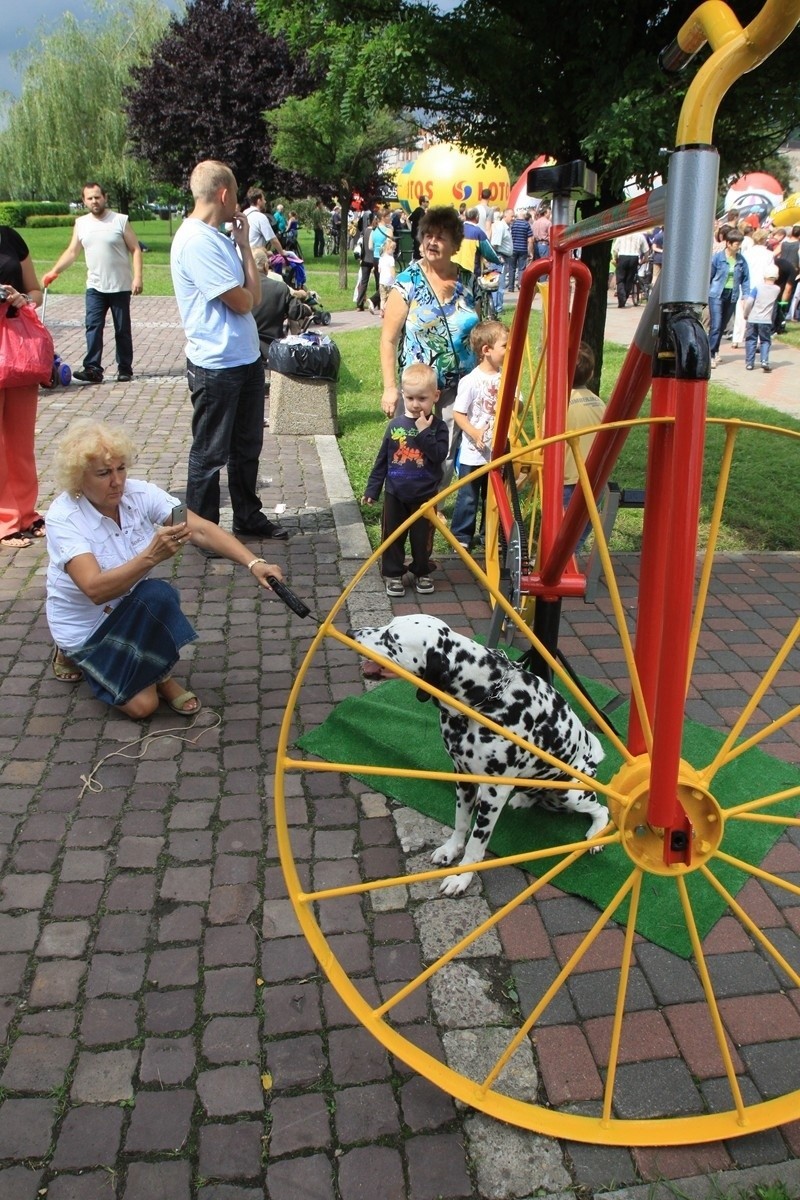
x,y
68,125
591,88
203,93
341,129
310,136
520,80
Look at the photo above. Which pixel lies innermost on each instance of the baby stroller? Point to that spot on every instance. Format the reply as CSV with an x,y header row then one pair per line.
x,y
291,267
62,372
319,315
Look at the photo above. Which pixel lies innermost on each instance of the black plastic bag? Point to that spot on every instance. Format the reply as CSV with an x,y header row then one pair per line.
x,y
306,356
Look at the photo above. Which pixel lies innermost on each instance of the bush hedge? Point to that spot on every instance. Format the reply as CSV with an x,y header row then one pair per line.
x,y
51,222
17,212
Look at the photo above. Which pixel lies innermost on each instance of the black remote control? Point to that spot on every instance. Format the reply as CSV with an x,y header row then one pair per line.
x,y
288,597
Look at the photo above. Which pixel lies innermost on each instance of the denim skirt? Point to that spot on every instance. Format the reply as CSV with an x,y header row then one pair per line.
x,y
137,645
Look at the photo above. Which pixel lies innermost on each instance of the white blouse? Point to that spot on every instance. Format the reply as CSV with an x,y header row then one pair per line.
x,y
74,526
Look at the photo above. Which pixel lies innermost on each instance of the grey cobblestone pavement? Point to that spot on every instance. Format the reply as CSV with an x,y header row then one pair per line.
x,y
167,1033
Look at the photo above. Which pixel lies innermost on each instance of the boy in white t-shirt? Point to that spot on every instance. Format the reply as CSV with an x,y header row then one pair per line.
x,y
759,312
474,413
386,272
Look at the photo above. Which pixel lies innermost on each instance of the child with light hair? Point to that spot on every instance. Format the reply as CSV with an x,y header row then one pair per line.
x,y
408,468
759,313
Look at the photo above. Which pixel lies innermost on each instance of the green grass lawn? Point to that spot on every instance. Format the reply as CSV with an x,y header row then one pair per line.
x,y
761,512
46,245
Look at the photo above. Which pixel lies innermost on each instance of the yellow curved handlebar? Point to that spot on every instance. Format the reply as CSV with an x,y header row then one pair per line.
x,y
737,50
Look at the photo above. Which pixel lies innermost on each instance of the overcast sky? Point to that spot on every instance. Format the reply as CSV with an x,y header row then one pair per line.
x,y
18,23
19,20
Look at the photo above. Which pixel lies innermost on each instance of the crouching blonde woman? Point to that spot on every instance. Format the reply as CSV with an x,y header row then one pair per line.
x,y
111,623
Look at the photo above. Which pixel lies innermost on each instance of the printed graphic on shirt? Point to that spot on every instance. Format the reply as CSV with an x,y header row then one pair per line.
x,y
407,453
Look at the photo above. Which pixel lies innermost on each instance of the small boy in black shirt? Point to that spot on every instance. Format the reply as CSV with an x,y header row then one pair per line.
x,y
410,463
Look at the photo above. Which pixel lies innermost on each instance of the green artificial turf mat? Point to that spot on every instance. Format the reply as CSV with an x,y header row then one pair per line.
x,y
387,726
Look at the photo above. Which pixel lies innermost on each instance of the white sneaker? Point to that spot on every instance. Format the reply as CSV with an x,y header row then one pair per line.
x,y
424,585
713,360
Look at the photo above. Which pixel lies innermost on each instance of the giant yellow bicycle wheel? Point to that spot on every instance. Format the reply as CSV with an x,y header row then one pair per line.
x,y
501,1068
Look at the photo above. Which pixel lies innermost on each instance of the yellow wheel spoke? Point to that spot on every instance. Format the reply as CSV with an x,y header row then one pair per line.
x,y
731,432
728,751
515,781
734,752
768,819
711,999
578,953
479,930
616,599
751,926
751,806
622,992
759,873
491,864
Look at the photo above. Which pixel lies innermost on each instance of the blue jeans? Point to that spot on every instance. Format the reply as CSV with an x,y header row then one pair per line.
x,y
227,430
720,309
517,264
462,524
569,488
497,302
753,335
97,305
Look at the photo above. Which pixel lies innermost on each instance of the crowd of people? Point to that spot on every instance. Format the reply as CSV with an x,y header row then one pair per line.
x,y
121,630
754,281
501,241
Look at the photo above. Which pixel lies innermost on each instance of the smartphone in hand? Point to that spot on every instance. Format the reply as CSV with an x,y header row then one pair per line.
x,y
179,514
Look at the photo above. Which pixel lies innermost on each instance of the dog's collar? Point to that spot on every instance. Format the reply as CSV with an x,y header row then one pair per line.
x,y
489,694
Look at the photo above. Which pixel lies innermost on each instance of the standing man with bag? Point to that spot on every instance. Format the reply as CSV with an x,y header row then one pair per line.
x,y
217,285
109,243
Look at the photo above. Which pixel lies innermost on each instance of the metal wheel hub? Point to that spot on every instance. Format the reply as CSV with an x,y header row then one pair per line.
x,y
643,842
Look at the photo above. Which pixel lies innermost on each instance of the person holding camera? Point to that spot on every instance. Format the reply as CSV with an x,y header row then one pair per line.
x,y
19,481
111,623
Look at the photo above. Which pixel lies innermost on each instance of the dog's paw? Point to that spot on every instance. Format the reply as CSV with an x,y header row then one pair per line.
x,y
456,885
446,854
596,849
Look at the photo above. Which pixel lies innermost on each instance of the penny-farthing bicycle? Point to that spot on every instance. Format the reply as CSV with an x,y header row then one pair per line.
x,y
670,817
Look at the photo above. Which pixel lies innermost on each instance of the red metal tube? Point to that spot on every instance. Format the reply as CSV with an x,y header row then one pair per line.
x,y
679,554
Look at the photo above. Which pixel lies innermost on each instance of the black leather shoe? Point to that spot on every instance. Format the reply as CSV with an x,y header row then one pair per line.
x,y
266,529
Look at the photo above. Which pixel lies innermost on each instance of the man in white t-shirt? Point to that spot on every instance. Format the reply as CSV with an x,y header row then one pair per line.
x,y
109,244
260,232
217,285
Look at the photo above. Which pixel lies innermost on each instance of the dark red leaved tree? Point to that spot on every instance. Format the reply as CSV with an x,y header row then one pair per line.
x,y
203,94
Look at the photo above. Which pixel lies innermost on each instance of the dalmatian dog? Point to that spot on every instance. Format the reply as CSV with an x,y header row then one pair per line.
x,y
513,698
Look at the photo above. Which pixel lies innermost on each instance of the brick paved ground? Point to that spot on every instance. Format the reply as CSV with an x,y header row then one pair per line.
x,y
168,1033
